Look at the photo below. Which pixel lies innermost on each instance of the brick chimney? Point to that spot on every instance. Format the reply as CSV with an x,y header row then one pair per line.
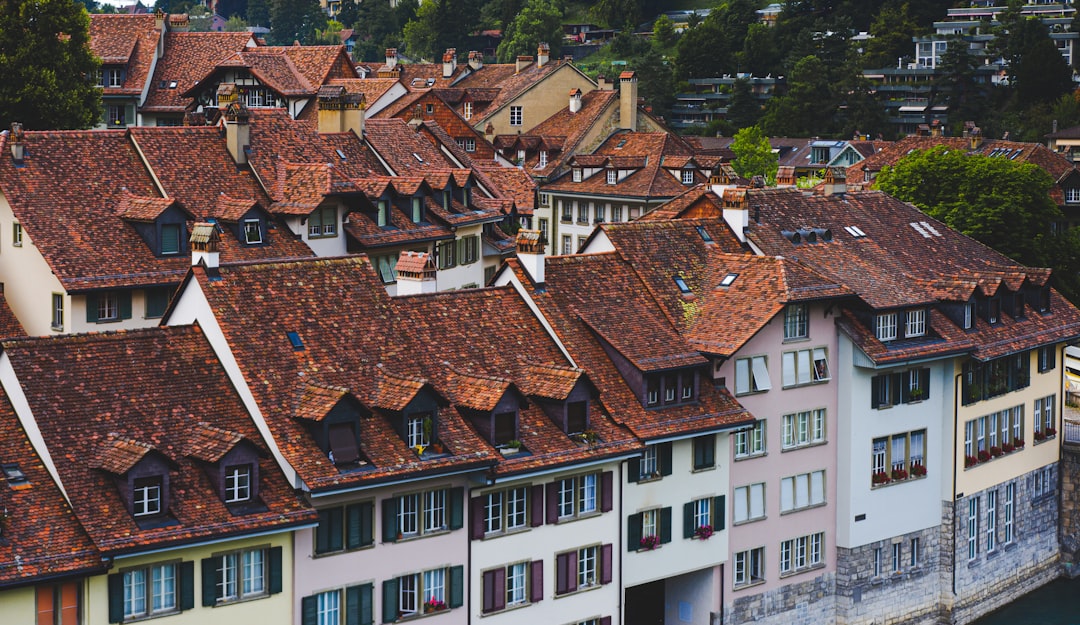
x,y
237,131
523,61
543,54
489,132
628,101
530,253
204,245
341,111
575,100
736,213
476,60
449,62
415,273
15,138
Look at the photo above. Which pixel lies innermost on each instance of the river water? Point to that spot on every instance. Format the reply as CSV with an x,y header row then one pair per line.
x,y
1053,604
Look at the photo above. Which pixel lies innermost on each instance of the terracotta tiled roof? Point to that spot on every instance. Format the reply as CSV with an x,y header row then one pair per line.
x,y
292,71
145,209
210,444
9,325
510,83
644,152
372,88
550,381
316,400
128,40
475,391
188,56
42,537
399,145
562,133
118,455
138,390
697,201
515,184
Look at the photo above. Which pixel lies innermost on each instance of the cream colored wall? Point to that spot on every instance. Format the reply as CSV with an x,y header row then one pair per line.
x,y
1032,456
18,605
269,610
28,281
539,102
75,315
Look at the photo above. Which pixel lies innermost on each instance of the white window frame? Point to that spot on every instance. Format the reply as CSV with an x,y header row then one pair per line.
x,y
687,176
150,591
517,576
752,375
804,366
575,174
16,234
749,567
915,324
796,321
516,115
146,499
885,327
804,428
749,504
973,528
991,520
252,227
57,311
1009,512
328,608
612,176
237,483
751,441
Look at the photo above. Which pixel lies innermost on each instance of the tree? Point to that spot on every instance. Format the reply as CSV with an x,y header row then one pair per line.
x,y
47,66
258,12
967,100
753,154
421,35
624,14
664,32
656,82
892,31
1041,74
807,108
539,21
743,109
295,20
235,24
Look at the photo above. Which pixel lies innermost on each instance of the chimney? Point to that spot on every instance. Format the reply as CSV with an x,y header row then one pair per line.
x,y
341,111
204,245
162,26
489,132
935,128
391,58
543,54
736,213
628,101
449,62
180,22
523,61
603,85
18,148
476,61
237,131
415,273
976,138
835,181
575,100
530,253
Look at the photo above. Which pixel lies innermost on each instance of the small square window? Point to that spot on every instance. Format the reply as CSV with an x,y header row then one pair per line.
x,y
170,239
612,176
688,176
252,231
238,483
885,327
146,496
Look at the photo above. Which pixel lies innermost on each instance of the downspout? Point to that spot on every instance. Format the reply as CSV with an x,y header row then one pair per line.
x,y
618,546
722,589
956,441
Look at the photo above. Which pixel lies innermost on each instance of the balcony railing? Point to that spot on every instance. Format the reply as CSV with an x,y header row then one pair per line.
x,y
1072,431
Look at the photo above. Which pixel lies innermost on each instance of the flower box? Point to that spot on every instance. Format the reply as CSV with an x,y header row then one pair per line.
x,y
434,605
984,455
995,451
650,542
880,478
704,532
918,470
899,474
970,461
1008,448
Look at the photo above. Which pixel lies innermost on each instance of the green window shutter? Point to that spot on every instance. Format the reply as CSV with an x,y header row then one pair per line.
x,y
116,597
664,452
688,520
367,604
665,525
457,586
91,308
875,391
389,600
187,585
123,299
633,532
924,381
633,470
457,507
309,610
129,114
708,451
354,522
209,581
389,520
352,605
897,384
275,570
367,523
719,513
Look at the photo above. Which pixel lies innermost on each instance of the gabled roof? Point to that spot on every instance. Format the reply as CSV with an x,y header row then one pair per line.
x,y
210,444
292,71
563,132
510,82
316,400
406,152
643,152
187,57
128,40
140,392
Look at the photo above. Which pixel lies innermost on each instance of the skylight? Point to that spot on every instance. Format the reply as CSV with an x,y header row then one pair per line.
x,y
729,279
854,231
704,235
14,475
683,288
294,339
340,154
417,156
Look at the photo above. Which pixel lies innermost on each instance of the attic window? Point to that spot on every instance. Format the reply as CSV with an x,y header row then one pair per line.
x,y
855,231
925,229
146,496
577,174
417,156
612,176
729,279
294,340
683,288
14,475
172,84
704,235
340,154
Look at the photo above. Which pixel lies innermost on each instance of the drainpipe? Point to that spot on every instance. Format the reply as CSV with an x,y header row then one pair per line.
x,y
618,545
956,441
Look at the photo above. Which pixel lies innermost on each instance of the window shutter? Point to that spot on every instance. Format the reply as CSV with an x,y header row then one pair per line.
x,y
688,520
209,581
322,532
497,589
605,561
457,586
633,532
353,526
116,597
665,525
187,585
875,391
457,508
633,470
309,610
788,367
552,502
367,604
537,504
490,590
605,620
924,382
275,570
389,600
719,513
606,486
352,605
897,384
476,518
367,523
664,453
91,308
123,299
389,520
536,581
562,581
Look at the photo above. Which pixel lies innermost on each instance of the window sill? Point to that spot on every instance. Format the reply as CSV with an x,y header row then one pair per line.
x,y
796,339
419,535
578,517
507,532
1004,454
703,469
810,383
147,617
224,602
509,608
803,446
892,482
745,393
804,508
761,454
327,554
1046,440
749,521
750,584
805,569
656,477
421,614
579,590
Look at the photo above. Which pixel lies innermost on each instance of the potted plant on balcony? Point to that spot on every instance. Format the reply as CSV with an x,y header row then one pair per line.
x,y
650,542
996,451
434,605
984,455
916,394
918,470
899,474
703,532
879,478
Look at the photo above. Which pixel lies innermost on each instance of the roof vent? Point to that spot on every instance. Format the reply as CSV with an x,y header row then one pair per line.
x,y
824,234
808,235
792,236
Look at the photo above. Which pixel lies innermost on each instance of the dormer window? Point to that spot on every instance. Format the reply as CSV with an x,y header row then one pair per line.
x,y
1018,305
612,176
505,428
1072,195
238,483
323,222
969,315
688,176
916,323
577,174
885,327
669,389
543,159
993,310
253,231
146,496
112,77
383,217
446,199
170,239
577,416
417,209
418,428
1044,299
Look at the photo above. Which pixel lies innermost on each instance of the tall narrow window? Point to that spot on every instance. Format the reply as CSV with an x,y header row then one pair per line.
x,y
170,239
57,311
991,521
973,528
16,234
796,321
885,327
252,231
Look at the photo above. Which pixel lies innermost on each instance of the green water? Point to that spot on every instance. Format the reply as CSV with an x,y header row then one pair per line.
x,y
1054,604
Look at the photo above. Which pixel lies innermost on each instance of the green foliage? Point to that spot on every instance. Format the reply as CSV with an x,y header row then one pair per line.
x,y
892,29
743,109
295,20
47,68
808,105
710,49
664,35
754,155
258,12
539,21
235,24
331,35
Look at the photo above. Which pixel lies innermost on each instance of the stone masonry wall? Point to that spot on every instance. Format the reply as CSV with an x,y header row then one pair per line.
x,y
1070,509
802,603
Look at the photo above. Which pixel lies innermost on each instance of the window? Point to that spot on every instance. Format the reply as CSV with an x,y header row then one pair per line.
x,y
612,176
157,300
445,254
567,244
574,496
583,212
891,389
117,115
469,144
877,561
805,366
801,553
239,575
750,442
515,115
751,375
252,231
238,483
991,521
108,306
749,503
146,591
688,176
616,213
749,567
802,491
993,310
982,380
587,567
504,510
648,523
345,528
704,452
59,604
468,110
542,163
387,267
898,457
969,315
57,311
382,215
804,428
418,430
914,552
417,514
796,321
322,222
576,174
897,562
469,251
16,234
146,496
973,528
1047,358
112,77
885,327
423,593
916,323
993,435
513,585
599,213
1009,512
